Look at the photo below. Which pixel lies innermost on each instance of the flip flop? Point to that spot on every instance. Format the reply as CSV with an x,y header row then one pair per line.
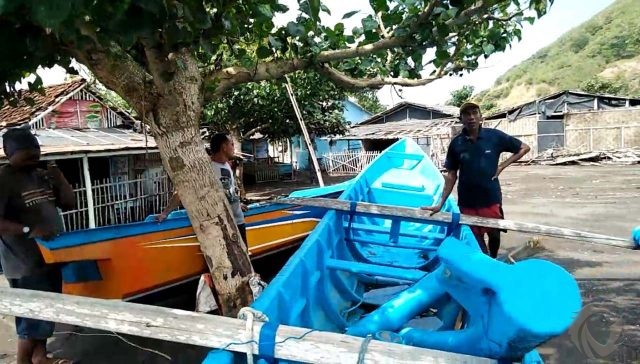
x,y
63,361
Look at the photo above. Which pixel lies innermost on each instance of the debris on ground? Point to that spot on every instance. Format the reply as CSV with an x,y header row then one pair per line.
x,y
567,157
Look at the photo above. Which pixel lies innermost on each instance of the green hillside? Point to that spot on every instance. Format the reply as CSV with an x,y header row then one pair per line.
x,y
600,55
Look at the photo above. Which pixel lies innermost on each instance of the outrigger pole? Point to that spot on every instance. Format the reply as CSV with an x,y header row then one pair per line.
x,y
445,217
305,133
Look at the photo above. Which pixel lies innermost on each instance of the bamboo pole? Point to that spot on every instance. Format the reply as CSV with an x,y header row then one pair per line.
x,y
291,343
445,217
312,152
89,192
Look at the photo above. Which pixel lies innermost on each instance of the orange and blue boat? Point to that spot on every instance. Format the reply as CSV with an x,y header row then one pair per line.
x,y
130,261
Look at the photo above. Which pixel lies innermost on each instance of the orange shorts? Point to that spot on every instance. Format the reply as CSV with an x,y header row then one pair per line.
x,y
493,211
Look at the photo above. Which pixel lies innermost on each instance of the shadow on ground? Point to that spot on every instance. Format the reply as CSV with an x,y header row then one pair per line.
x,y
607,331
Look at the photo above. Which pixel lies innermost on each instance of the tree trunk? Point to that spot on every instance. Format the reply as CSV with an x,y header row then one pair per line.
x,y
176,120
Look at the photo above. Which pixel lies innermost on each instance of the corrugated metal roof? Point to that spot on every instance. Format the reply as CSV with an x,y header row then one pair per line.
x,y
23,113
530,107
400,129
88,141
444,109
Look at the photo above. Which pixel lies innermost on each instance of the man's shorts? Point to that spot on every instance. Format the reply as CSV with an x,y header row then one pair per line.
x,y
493,211
49,281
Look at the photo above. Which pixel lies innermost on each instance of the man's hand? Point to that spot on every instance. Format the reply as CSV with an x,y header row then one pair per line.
x,y
44,233
161,217
54,173
501,168
244,207
434,209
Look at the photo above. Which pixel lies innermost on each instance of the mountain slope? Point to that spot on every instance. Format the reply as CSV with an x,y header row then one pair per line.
x,y
605,49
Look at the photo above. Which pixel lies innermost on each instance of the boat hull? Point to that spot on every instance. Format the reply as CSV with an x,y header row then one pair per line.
x,y
413,282
132,260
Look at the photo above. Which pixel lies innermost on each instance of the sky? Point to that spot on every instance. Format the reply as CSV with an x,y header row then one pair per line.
x,y
562,17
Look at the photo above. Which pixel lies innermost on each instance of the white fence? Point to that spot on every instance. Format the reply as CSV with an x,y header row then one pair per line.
x,y
119,201
347,163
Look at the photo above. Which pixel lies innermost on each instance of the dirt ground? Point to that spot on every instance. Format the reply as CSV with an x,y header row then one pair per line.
x,y
601,199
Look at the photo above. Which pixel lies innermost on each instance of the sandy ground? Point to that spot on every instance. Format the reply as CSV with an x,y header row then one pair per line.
x,y
601,199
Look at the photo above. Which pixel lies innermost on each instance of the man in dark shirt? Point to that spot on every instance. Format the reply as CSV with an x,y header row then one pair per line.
x,y
473,156
29,198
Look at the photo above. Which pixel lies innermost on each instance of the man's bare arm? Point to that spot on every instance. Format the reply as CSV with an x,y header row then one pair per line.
x,y
524,149
66,196
10,228
449,182
173,204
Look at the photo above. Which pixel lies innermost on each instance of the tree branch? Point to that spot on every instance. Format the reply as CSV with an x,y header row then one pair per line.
x,y
377,82
505,18
120,73
228,77
225,79
254,130
383,30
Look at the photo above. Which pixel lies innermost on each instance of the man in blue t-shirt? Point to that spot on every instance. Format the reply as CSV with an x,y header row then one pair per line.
x,y
473,157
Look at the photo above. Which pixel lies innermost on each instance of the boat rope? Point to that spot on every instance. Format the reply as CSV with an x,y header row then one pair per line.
x,y
257,285
454,224
250,315
363,349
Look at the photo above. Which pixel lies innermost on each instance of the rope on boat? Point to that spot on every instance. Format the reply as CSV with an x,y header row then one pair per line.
x,y
363,349
249,315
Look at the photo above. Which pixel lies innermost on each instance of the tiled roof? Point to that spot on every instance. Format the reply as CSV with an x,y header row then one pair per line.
x,y
23,113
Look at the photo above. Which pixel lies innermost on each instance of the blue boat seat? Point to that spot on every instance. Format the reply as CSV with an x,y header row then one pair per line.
x,y
405,156
376,270
511,308
401,232
403,186
387,243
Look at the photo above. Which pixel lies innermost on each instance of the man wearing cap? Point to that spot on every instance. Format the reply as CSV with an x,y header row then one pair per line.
x,y
29,198
473,156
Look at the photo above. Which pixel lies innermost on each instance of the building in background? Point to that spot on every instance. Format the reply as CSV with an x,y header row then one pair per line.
x,y
572,120
116,172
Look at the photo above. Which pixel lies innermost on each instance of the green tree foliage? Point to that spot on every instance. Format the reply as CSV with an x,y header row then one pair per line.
x,y
599,85
461,95
146,33
265,107
368,100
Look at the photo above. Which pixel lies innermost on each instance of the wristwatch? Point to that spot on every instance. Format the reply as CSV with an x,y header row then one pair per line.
x,y
26,230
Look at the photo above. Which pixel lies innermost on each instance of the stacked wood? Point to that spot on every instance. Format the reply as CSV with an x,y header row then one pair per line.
x,y
567,157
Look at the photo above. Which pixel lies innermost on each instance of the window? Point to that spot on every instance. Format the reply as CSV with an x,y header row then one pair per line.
x,y
424,143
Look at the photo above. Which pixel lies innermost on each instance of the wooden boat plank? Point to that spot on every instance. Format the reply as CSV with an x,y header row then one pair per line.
x,y
211,331
391,211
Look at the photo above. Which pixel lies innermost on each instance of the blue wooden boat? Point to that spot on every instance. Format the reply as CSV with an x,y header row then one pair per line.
x,y
417,283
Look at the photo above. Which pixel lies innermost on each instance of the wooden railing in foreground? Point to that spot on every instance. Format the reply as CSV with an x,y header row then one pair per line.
x,y
444,217
211,331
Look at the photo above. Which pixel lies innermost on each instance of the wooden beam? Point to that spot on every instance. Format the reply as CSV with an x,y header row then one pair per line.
x,y
212,331
312,152
89,192
445,217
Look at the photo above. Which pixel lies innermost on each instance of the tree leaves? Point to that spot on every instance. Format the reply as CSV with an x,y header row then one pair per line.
x,y
350,14
241,33
314,9
267,103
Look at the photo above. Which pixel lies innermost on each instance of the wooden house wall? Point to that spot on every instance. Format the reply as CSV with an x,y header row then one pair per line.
x,y
602,130
525,129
